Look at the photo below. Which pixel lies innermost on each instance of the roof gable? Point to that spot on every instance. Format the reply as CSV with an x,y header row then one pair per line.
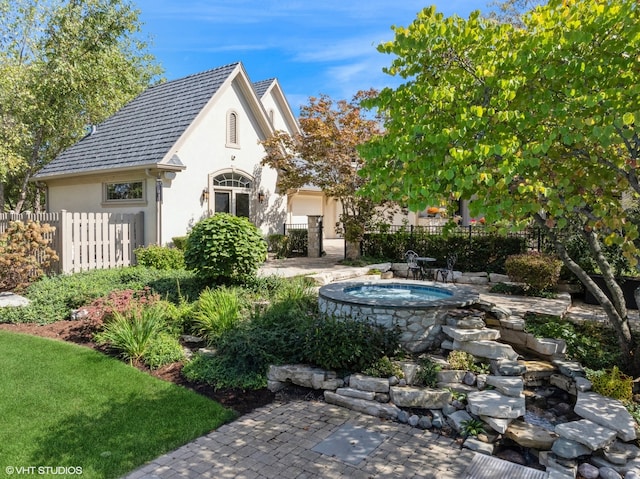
x,y
143,131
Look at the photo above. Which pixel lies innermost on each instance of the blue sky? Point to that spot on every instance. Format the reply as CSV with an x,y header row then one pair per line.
x,y
311,46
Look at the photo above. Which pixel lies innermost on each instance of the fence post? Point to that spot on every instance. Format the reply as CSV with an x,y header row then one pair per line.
x,y
284,229
314,236
66,242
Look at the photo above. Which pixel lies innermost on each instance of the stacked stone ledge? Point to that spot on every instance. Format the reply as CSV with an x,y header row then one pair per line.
x,y
596,439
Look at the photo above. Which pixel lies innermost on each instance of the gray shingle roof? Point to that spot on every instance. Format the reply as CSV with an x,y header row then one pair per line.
x,y
262,86
143,131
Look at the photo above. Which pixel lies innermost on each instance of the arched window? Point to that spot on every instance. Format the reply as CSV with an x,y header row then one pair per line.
x,y
232,129
232,180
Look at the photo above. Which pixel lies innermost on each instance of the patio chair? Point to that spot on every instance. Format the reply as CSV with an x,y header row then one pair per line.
x,y
412,264
446,273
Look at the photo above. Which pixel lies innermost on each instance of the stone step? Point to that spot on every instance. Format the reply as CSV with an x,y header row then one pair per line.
x,y
450,376
494,404
419,397
458,334
607,412
466,323
372,408
587,433
486,349
457,387
529,435
507,385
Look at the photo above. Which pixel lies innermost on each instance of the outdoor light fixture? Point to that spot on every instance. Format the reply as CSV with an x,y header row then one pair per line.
x,y
260,197
204,196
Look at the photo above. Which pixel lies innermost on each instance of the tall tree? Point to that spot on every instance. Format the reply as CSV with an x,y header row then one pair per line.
x,y
538,123
64,65
325,155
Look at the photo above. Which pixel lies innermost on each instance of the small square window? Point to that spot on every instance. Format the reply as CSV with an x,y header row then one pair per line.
x,y
131,191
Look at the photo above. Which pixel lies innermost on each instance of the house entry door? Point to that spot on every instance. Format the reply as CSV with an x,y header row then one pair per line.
x,y
232,193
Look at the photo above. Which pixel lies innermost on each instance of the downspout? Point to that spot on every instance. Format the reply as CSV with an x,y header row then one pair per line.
x,y
159,211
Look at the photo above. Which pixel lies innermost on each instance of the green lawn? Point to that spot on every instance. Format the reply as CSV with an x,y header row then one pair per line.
x,y
65,405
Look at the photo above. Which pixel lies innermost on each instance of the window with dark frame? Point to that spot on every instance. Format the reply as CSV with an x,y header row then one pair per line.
x,y
129,191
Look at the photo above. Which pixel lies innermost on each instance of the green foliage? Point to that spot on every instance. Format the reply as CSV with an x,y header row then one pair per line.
x,y
465,362
180,242
278,244
24,254
131,333
297,242
275,335
472,427
53,298
384,368
217,311
538,271
222,371
428,372
592,345
159,257
611,383
476,253
346,344
92,405
520,290
225,248
533,123
163,349
64,65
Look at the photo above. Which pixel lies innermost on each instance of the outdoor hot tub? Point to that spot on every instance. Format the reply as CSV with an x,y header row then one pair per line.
x,y
417,308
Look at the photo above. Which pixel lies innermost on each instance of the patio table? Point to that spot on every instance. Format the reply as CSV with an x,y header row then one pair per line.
x,y
423,262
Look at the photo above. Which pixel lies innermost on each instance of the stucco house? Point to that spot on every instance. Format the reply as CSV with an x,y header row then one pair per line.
x,y
179,152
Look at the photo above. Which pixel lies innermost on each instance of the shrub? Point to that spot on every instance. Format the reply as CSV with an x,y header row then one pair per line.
x,y
104,308
217,311
131,333
225,248
24,254
428,372
54,298
162,349
159,257
464,361
590,344
538,271
297,242
278,244
222,371
180,242
611,383
275,335
346,344
384,368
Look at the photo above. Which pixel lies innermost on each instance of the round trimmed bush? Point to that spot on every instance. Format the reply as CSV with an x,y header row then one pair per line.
x,y
225,248
539,271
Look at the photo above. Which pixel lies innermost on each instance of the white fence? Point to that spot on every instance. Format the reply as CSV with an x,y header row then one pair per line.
x,y
85,241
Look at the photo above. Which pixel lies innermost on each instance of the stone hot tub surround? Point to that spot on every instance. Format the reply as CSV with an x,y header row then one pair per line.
x,y
420,321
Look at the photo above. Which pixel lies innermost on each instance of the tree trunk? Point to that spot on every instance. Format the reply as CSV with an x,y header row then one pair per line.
x,y
352,249
615,309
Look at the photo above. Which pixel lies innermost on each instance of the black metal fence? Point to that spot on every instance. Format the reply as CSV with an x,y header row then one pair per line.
x,y
478,248
298,238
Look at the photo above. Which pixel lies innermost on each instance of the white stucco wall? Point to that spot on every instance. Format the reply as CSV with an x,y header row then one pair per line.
x,y
205,153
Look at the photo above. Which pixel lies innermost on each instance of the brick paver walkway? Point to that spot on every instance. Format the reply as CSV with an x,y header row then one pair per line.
x,y
277,441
